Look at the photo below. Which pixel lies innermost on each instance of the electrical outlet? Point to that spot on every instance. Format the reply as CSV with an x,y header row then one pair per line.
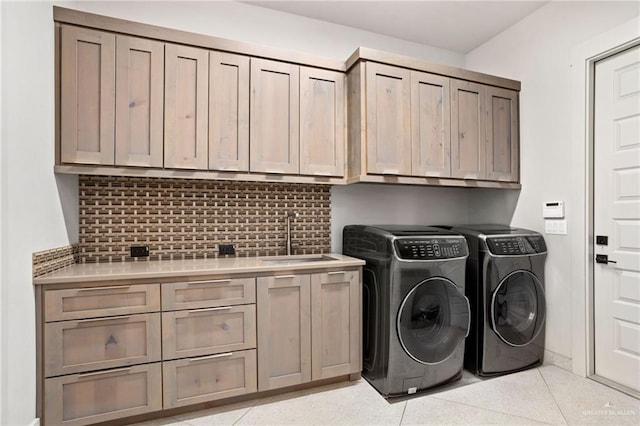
x,y
139,251
226,249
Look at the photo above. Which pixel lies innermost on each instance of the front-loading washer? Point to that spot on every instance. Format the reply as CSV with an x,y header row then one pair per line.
x,y
415,313
505,287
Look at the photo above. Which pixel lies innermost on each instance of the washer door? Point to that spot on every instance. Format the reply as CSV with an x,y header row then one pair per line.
x,y
518,308
432,320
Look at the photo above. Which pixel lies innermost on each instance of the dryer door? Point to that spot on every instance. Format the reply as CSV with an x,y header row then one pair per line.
x,y
518,308
433,320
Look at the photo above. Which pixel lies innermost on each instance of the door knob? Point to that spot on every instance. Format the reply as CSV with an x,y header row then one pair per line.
x,y
603,258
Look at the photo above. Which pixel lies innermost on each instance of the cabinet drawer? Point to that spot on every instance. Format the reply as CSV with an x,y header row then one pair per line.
x,y
208,331
195,380
94,302
83,399
208,294
86,345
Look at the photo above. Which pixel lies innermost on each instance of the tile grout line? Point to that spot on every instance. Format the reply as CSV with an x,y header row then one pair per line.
x,y
491,410
245,413
555,401
404,409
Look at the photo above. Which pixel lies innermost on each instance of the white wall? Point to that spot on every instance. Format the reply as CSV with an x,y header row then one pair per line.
x,y
537,51
377,204
257,25
39,209
32,214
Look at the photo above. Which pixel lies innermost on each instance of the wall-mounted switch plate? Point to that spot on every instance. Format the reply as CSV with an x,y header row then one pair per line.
x,y
557,227
139,251
226,249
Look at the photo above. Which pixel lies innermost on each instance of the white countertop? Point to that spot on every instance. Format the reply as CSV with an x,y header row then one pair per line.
x,y
89,272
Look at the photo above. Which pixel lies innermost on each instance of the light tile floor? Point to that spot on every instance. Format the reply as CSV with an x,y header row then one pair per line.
x,y
545,395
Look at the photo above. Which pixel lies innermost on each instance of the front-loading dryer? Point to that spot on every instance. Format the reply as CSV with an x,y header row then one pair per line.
x,y
415,313
505,286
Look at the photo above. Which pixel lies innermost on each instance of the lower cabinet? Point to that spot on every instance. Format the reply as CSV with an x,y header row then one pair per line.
x,y
135,352
308,327
82,399
194,380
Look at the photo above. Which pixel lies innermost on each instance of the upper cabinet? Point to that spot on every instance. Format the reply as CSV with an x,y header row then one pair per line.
x,y
87,96
139,102
322,122
416,123
503,158
388,118
186,104
275,114
228,112
468,121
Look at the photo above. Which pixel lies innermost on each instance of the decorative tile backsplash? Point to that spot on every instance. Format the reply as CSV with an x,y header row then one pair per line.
x,y
188,219
51,260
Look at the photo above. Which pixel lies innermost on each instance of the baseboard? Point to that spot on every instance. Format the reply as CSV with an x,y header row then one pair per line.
x,y
561,361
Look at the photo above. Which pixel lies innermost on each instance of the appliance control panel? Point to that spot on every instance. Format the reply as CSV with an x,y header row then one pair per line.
x,y
516,245
431,248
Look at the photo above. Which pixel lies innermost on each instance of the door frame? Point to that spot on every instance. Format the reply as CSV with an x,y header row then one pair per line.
x,y
583,60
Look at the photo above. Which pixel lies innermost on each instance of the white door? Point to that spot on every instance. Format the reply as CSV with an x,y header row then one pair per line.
x,y
617,216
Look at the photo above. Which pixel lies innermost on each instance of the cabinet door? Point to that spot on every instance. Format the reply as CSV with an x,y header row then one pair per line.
x,y
87,96
430,125
275,109
228,112
388,119
85,399
195,380
335,320
502,135
208,331
139,101
186,107
468,120
100,343
322,122
284,331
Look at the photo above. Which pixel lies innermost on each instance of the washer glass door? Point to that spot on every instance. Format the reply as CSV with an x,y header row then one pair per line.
x,y
518,308
433,320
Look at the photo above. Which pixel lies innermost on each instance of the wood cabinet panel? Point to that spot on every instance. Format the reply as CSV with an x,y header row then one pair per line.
x,y
430,125
502,135
196,380
186,107
83,399
322,122
208,294
275,109
335,324
139,102
208,331
284,331
87,96
388,119
92,302
228,112
468,135
100,343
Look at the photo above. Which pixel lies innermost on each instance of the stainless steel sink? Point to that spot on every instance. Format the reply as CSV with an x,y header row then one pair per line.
x,y
298,259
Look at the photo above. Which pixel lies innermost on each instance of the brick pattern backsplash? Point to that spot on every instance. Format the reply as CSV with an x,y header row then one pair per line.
x,y
47,261
188,219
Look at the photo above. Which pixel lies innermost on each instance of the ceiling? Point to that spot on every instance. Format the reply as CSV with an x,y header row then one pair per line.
x,y
459,26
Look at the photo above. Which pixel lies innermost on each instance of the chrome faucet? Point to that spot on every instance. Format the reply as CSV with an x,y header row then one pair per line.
x,y
290,216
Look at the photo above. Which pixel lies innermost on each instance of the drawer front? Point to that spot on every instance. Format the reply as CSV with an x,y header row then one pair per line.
x,y
195,380
87,345
208,294
83,399
208,331
78,303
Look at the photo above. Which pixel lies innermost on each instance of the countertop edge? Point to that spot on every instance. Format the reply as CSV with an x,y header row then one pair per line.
x,y
74,274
